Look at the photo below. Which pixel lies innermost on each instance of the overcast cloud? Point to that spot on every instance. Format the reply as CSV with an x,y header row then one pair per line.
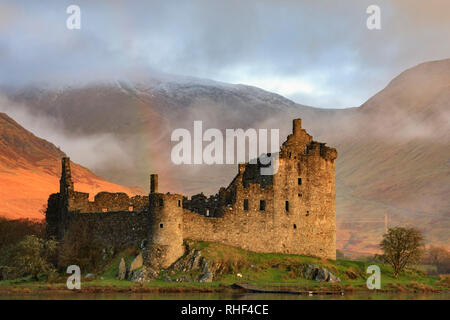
x,y
318,53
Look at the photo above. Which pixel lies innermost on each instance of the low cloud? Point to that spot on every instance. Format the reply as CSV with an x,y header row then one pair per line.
x,y
91,151
316,52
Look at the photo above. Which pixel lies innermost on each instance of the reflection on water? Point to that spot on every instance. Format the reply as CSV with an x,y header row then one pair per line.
x,y
221,296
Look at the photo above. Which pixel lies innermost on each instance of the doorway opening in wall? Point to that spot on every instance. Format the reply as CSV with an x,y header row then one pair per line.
x,y
161,225
286,205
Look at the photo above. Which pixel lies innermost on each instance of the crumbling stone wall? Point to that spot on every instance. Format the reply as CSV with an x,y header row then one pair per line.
x,y
299,213
292,211
114,219
212,206
106,202
53,215
120,229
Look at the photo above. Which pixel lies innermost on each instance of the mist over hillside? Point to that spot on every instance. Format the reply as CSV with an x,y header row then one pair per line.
x,y
393,150
30,168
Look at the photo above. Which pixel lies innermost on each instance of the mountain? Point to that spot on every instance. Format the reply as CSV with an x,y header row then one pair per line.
x,y
30,168
393,150
394,159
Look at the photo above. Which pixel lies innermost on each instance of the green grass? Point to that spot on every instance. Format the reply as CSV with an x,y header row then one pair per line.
x,y
261,269
284,269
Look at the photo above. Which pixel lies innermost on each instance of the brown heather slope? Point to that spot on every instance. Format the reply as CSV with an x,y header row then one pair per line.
x,y
394,150
29,172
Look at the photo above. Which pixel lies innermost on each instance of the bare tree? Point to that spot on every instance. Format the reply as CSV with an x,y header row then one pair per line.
x,y
439,257
402,247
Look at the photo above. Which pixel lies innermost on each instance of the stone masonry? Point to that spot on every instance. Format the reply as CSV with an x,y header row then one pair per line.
x,y
292,211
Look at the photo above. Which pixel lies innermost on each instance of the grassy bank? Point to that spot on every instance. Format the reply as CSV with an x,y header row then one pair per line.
x,y
264,270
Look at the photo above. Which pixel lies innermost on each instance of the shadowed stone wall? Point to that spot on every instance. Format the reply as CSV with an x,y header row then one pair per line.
x,y
115,229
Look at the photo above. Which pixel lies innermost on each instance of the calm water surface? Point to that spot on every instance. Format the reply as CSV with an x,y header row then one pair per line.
x,y
222,296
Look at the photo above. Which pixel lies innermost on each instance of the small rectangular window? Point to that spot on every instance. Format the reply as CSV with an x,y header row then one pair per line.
x,y
161,225
299,194
262,205
299,181
287,205
179,203
246,204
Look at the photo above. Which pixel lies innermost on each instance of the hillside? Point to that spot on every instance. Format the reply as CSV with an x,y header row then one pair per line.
x,y
396,160
394,150
229,268
30,169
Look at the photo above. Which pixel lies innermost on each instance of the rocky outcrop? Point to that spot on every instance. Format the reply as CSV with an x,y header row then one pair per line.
x,y
195,266
137,263
140,275
314,272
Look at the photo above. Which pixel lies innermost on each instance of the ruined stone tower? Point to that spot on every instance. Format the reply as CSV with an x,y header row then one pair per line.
x,y
59,208
66,183
292,211
165,239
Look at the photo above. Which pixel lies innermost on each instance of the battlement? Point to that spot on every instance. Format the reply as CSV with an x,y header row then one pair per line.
x,y
166,200
106,202
300,144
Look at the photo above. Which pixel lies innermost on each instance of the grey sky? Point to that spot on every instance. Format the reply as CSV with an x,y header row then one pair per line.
x,y
318,53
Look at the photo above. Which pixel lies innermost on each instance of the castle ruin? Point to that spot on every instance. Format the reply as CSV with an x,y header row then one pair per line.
x,y
292,211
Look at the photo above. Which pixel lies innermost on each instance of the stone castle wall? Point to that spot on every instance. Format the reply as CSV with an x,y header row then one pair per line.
x,y
119,229
106,202
307,227
298,216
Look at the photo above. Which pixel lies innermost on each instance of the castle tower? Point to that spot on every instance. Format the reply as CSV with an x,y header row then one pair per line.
x,y
296,126
304,193
166,227
65,183
153,183
58,205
